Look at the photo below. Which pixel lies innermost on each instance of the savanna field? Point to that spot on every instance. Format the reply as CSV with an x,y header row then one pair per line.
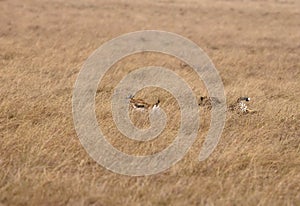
x,y
255,46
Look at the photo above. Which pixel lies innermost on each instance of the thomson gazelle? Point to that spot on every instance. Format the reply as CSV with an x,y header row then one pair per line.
x,y
140,104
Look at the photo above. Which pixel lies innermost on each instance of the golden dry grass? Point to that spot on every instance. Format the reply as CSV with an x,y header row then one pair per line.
x,y
255,45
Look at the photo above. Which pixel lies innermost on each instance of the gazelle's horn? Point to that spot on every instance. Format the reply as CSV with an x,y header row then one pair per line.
x,y
130,96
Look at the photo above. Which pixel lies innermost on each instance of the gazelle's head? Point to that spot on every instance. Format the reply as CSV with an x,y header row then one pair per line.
x,y
247,99
157,103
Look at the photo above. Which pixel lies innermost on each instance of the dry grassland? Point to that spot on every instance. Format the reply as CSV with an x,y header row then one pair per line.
x,y
255,46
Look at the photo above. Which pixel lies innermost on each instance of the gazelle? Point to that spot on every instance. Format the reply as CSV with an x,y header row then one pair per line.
x,y
140,104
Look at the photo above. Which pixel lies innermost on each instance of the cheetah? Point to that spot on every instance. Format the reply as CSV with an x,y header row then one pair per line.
x,y
238,106
208,102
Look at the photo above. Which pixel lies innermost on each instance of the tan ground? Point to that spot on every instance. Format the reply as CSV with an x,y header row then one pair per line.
x,y
255,45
